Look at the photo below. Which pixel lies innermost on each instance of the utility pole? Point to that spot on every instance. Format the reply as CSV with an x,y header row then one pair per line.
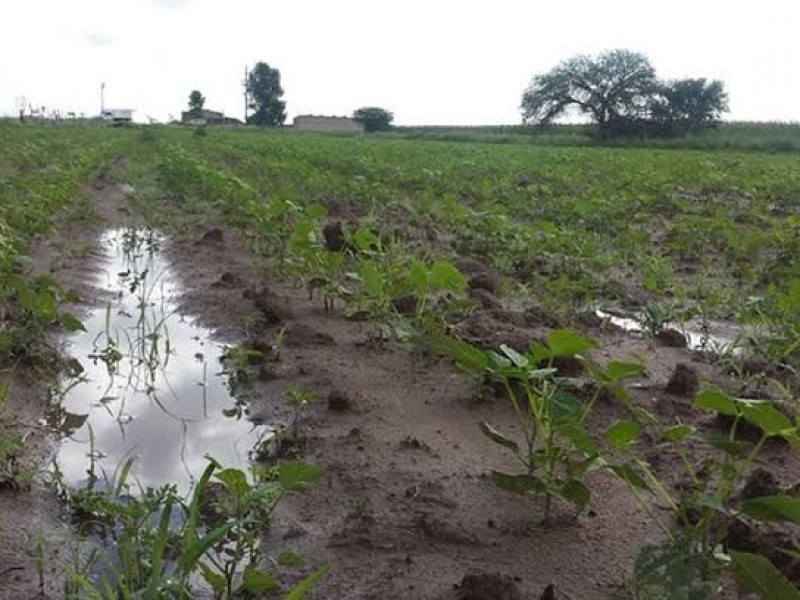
x,y
102,98
245,95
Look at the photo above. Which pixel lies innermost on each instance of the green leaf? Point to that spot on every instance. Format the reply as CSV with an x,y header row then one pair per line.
x,y
711,501
717,401
256,581
778,508
298,476
735,448
316,211
763,414
538,352
759,575
372,279
365,240
565,408
235,481
193,551
214,579
157,556
566,343
70,323
464,354
445,276
575,491
305,587
628,472
498,437
678,433
193,516
289,558
622,434
616,370
418,277
579,438
517,359
519,484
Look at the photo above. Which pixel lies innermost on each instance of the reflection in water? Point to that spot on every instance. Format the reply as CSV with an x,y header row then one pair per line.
x,y
151,386
715,336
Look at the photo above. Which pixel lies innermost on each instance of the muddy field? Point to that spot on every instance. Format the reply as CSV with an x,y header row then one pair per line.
x,y
219,332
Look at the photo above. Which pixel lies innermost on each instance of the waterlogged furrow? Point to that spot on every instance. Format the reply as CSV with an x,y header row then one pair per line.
x,y
152,386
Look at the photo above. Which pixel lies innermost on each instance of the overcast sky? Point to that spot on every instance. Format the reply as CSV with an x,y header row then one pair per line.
x,y
429,61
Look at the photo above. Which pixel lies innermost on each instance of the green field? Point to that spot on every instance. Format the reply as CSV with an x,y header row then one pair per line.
x,y
664,236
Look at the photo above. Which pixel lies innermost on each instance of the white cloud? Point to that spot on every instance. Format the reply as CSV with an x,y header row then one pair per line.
x,y
98,40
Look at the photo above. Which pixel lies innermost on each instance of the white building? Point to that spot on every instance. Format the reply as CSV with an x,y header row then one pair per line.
x,y
117,115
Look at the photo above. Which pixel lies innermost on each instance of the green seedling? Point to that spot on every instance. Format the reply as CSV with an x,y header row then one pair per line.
x,y
218,537
300,399
550,416
691,562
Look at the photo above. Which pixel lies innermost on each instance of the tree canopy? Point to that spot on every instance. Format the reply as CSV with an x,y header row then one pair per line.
x,y
619,91
687,105
374,118
265,92
196,102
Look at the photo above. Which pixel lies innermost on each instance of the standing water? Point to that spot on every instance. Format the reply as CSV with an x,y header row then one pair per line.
x,y
152,387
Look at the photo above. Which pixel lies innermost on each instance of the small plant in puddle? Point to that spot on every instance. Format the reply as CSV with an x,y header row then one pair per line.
x,y
656,317
218,536
236,361
690,563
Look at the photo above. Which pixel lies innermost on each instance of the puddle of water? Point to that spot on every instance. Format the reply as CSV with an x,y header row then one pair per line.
x,y
152,385
716,336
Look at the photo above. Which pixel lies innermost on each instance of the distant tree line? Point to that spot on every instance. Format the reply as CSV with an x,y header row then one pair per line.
x,y
620,92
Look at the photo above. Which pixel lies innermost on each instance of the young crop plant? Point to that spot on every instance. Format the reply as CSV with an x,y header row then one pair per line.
x,y
556,451
709,507
160,545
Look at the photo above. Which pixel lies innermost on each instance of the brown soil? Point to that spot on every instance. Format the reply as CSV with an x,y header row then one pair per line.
x,y
404,509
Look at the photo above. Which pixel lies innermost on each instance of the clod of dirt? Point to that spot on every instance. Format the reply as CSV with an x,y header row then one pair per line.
x,y
333,233
414,444
227,280
470,266
488,586
761,483
487,280
273,309
267,373
215,504
549,593
684,381
485,331
301,334
73,367
775,545
672,338
485,299
405,305
447,533
212,237
339,401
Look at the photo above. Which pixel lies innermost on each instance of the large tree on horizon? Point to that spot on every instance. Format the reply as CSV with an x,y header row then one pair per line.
x,y
613,86
265,93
